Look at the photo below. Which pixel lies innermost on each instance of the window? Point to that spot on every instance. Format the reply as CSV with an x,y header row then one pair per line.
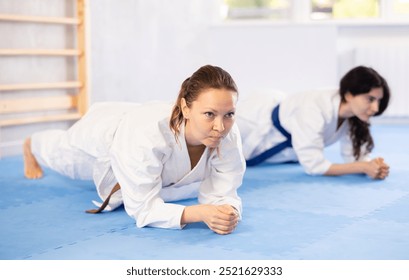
x,y
344,9
401,8
316,10
257,9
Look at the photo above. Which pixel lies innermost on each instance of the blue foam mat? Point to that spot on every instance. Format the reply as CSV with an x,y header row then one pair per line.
x,y
287,215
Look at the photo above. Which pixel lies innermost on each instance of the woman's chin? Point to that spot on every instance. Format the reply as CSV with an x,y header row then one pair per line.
x,y
365,119
213,144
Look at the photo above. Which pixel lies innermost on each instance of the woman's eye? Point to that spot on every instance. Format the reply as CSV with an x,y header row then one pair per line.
x,y
371,98
230,115
209,114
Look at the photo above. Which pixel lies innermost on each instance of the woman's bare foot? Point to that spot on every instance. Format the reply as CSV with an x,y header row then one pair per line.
x,y
32,169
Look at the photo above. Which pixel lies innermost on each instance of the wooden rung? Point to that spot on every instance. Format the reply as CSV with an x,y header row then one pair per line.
x,y
62,85
37,19
8,106
37,119
62,52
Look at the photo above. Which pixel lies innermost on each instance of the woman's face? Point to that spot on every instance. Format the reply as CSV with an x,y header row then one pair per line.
x,y
364,106
210,117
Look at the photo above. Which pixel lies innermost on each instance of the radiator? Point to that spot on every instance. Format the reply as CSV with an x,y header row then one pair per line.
x,y
392,62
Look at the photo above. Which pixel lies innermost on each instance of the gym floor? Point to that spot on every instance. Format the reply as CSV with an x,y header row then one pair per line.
x,y
287,215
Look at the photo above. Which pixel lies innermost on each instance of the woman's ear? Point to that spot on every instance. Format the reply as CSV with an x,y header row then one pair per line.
x,y
348,96
185,108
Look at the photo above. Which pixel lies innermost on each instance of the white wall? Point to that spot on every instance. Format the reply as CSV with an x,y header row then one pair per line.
x,y
350,37
385,47
143,49
285,57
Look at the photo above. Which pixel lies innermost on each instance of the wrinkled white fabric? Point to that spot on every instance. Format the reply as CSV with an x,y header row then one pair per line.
x,y
310,117
133,145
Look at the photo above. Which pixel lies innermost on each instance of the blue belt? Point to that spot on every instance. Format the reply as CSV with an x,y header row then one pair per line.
x,y
277,148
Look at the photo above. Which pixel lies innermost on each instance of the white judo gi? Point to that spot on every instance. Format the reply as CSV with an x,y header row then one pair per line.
x,y
133,145
311,118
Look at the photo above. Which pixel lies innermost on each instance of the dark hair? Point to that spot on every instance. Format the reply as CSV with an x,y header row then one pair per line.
x,y
361,80
206,77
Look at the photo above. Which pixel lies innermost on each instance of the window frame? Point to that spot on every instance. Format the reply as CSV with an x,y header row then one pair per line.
x,y
300,11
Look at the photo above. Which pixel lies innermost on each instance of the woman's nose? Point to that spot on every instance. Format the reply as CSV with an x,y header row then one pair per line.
x,y
375,106
218,125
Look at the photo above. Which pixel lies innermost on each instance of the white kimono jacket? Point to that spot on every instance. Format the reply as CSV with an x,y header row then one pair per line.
x,y
132,144
311,118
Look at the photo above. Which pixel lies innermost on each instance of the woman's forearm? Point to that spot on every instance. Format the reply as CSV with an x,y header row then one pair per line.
x,y
192,214
337,169
375,168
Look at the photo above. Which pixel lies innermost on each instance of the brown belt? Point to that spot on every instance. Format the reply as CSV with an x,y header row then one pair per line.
x,y
105,203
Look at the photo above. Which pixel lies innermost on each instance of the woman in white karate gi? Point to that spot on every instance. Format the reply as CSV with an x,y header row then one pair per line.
x,y
156,153
298,127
